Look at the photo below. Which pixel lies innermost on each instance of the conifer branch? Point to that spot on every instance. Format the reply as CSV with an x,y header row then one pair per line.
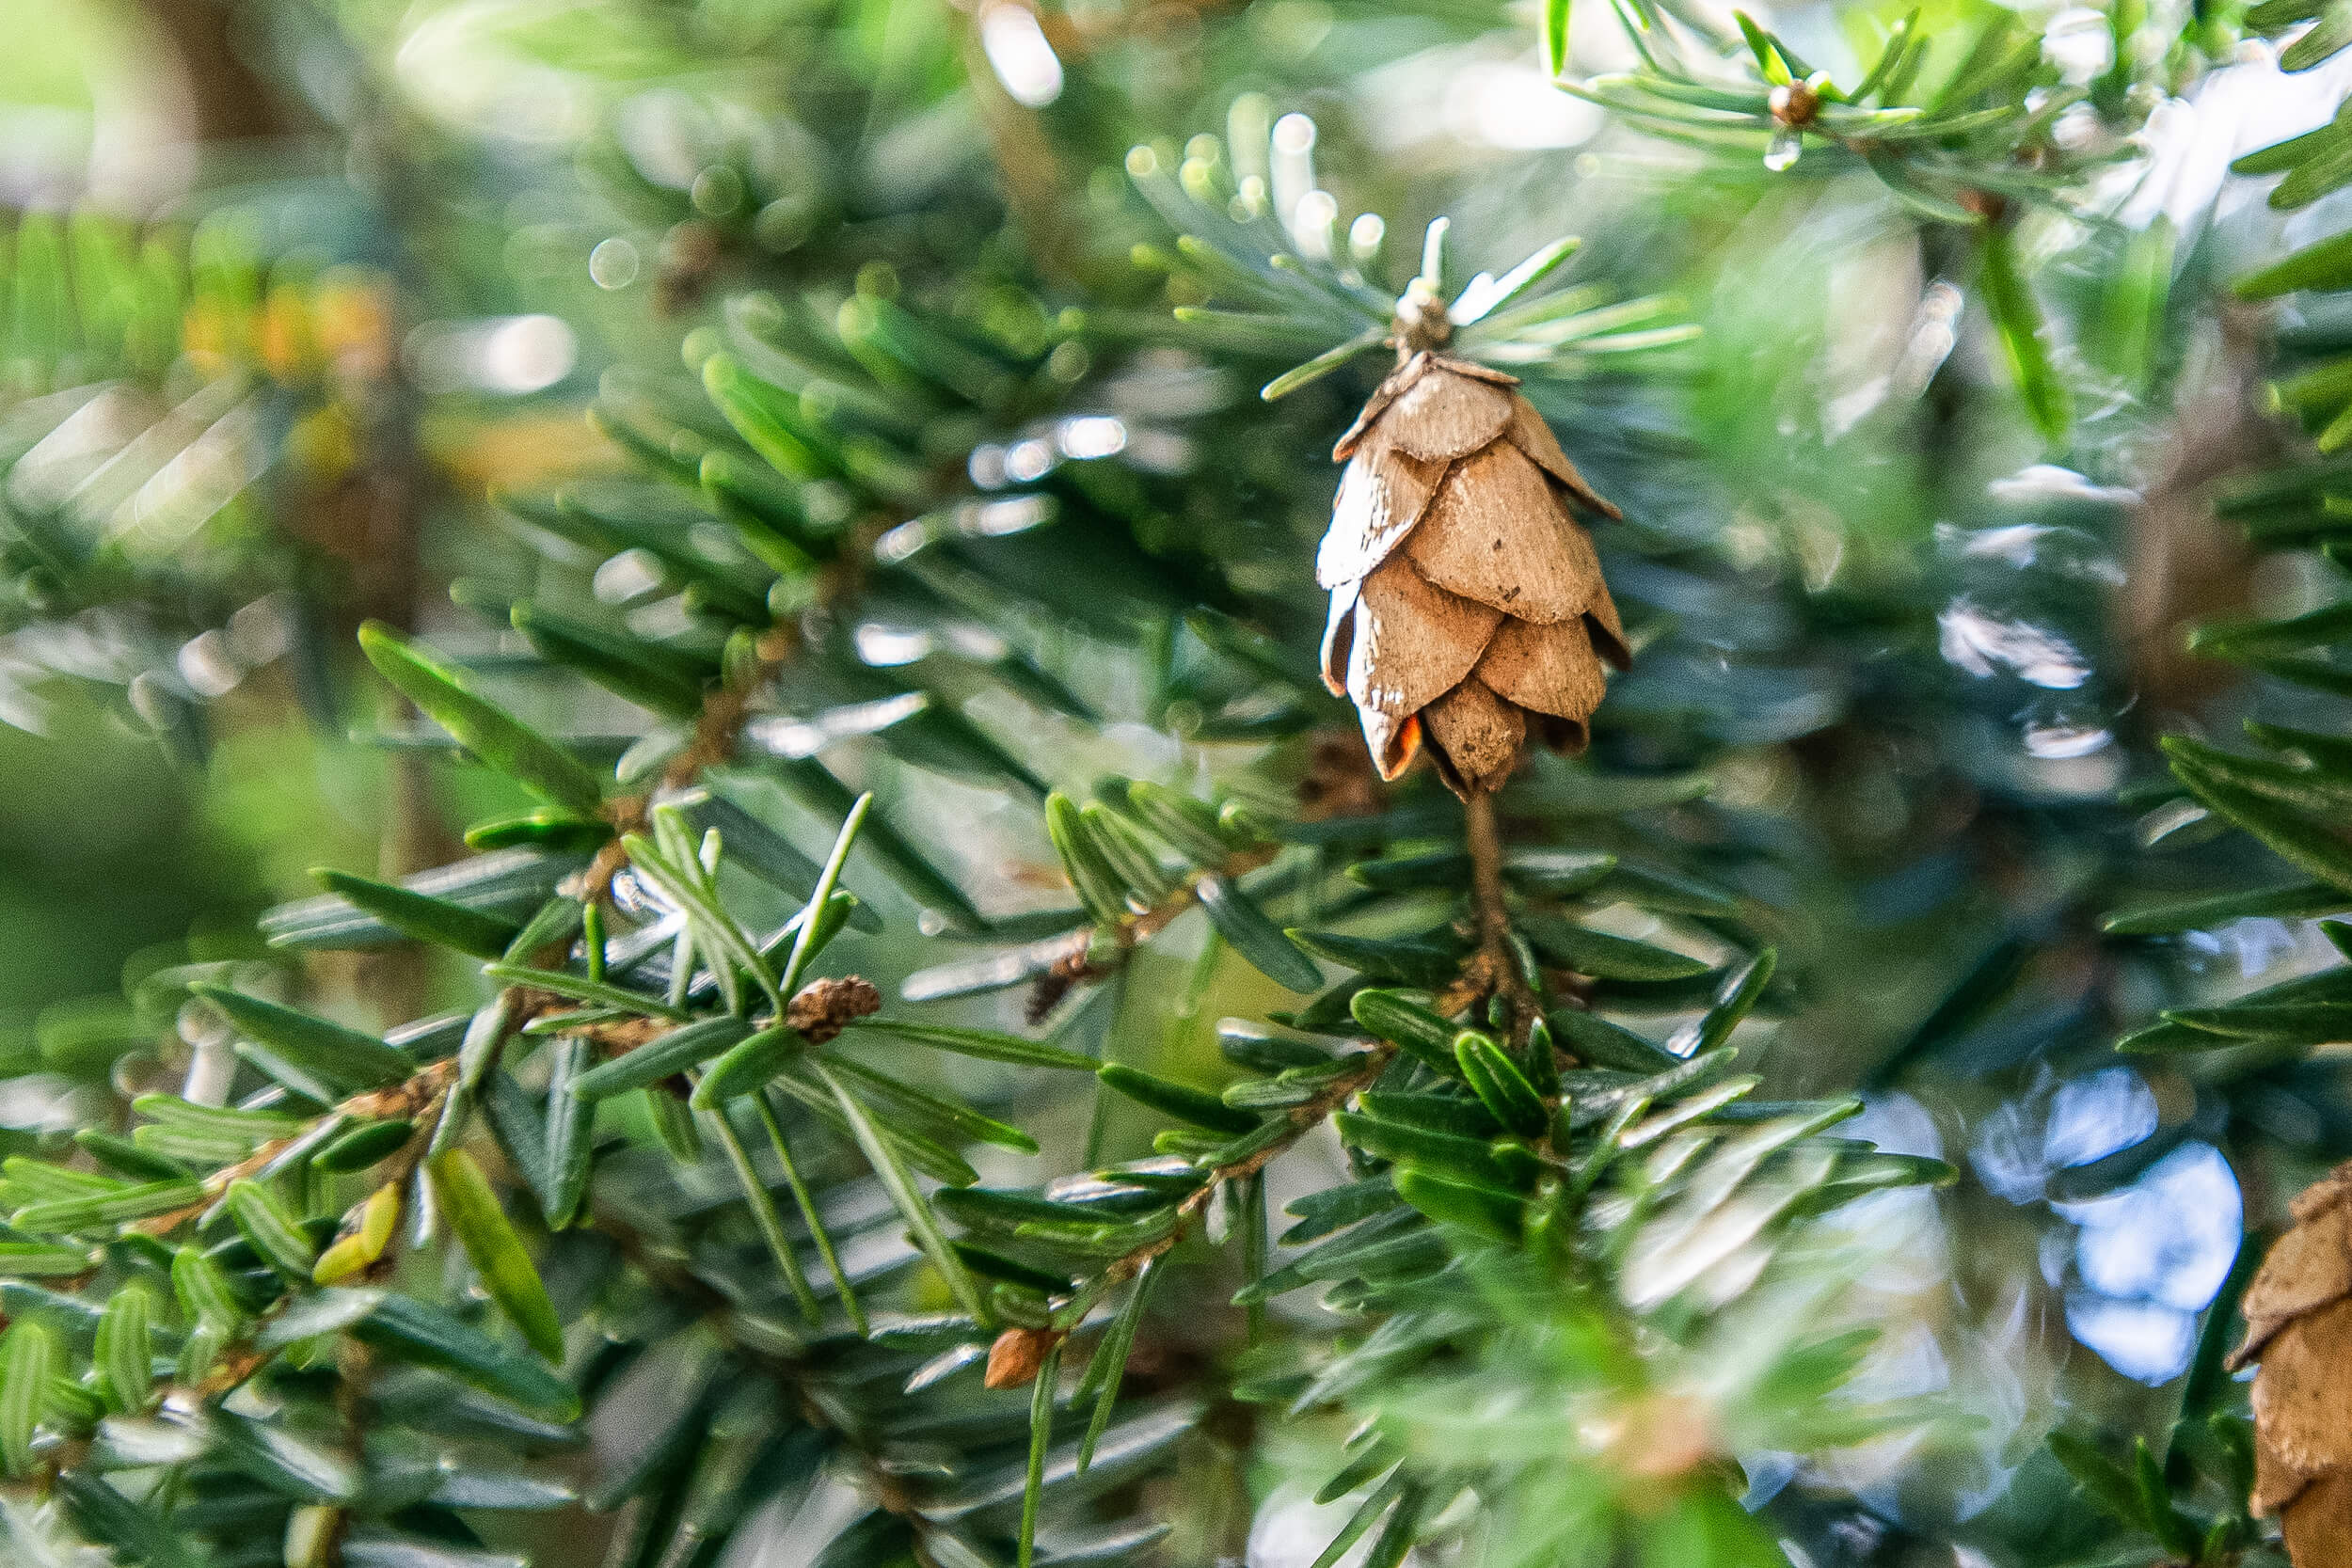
x,y
1497,962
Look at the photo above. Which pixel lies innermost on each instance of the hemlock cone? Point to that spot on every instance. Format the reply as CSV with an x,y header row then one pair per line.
x,y
1466,602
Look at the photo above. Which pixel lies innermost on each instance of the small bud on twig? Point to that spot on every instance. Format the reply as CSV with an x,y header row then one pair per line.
x,y
825,1007
1013,1361
1795,103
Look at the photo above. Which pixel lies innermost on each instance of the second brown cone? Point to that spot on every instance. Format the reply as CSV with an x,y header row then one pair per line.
x,y
2298,1333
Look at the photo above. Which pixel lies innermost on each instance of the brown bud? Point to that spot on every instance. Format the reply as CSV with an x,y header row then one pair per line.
x,y
1466,602
821,1008
1015,1358
1989,205
2299,1329
1796,103
691,253
1060,978
1660,1437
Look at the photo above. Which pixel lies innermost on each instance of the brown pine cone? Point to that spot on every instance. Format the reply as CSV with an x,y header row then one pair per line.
x,y
1467,604
2298,1328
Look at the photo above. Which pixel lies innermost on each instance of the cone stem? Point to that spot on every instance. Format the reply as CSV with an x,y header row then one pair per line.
x,y
1494,915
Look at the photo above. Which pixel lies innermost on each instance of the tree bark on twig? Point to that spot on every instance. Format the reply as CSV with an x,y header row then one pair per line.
x,y
1501,977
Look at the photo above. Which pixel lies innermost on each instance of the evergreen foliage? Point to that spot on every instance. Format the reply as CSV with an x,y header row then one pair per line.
x,y
936,1047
